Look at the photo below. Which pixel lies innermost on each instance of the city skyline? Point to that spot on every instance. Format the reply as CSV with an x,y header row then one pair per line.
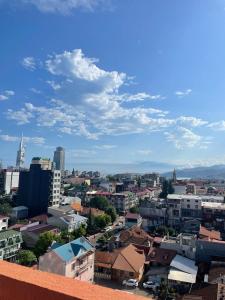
x,y
118,85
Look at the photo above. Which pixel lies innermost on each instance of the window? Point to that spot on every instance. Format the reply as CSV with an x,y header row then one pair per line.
x,y
196,206
73,266
131,274
188,205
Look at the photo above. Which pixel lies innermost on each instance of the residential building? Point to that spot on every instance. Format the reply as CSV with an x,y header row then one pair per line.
x,y
174,210
213,214
59,159
123,201
3,222
9,181
183,271
183,244
191,226
74,260
10,243
191,188
68,222
31,232
134,235
179,188
18,282
121,264
132,219
39,187
206,234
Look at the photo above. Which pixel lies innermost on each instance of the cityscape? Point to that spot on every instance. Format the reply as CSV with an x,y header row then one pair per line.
x,y
112,165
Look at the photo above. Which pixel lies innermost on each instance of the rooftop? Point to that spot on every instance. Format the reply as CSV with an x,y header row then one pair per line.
x,y
8,233
48,286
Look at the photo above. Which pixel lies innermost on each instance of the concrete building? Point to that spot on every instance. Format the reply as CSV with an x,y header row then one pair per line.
x,y
9,180
39,187
68,222
184,244
123,201
3,222
74,260
10,242
19,212
59,159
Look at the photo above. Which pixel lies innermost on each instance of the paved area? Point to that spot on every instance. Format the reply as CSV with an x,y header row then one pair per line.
x,y
117,286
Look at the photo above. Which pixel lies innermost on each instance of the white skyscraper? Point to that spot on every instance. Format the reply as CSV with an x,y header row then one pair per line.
x,y
20,159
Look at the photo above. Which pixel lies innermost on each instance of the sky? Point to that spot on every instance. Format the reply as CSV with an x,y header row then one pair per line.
x,y
122,85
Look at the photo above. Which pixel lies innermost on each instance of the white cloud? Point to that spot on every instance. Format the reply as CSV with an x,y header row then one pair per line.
x,y
22,116
6,95
33,140
64,7
183,138
183,93
191,121
105,147
35,91
55,86
145,152
218,126
29,63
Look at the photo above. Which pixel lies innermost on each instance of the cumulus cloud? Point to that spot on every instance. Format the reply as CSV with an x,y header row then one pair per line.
x,y
5,95
29,63
183,138
145,152
183,93
191,121
218,126
105,147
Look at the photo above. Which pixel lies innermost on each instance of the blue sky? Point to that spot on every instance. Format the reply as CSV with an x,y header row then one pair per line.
x,y
117,83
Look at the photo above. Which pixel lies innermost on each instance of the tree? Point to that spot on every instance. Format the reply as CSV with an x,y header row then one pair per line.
x,y
170,187
81,231
164,192
134,210
102,221
45,240
26,258
111,212
99,202
5,208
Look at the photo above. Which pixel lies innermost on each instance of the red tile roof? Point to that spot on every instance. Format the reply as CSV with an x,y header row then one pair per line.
x,y
21,283
132,216
209,234
161,256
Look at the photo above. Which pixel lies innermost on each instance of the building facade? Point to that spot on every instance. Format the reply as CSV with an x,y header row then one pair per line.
x,y
9,180
59,159
39,187
10,243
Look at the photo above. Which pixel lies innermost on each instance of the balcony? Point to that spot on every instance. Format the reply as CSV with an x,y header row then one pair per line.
x,y
31,284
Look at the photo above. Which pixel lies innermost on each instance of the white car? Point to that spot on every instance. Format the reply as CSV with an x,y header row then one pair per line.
x,y
131,282
150,285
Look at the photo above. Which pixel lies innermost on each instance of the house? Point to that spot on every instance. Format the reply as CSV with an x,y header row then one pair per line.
x,y
216,273
132,219
10,243
134,235
31,232
182,271
3,222
206,234
123,263
184,244
69,222
74,260
207,292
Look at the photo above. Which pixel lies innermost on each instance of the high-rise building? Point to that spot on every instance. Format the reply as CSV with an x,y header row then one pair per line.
x,y
59,159
9,180
39,187
20,159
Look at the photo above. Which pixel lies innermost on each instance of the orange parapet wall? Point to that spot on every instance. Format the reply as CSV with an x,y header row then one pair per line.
x,y
21,283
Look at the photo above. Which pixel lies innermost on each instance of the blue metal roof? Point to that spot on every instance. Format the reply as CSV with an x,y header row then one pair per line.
x,y
73,249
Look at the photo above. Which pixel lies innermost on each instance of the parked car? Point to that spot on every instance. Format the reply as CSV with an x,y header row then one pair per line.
x,y
150,285
131,282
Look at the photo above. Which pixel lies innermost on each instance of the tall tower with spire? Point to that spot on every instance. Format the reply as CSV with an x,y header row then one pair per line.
x,y
20,159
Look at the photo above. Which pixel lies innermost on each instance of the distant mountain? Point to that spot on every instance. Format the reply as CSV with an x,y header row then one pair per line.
x,y
212,172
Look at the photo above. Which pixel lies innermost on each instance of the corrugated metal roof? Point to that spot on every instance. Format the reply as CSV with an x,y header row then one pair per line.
x,y
184,264
181,276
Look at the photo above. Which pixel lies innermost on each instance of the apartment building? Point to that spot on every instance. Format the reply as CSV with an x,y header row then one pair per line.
x,y
9,181
3,223
123,201
10,243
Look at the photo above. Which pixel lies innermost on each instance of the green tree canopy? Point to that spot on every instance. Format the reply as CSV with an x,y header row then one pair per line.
x,y
111,212
99,202
81,231
45,240
167,188
26,258
102,221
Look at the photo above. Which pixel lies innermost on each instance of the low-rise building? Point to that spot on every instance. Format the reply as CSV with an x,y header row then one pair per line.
x,y
121,264
132,219
183,271
19,212
183,244
74,260
10,243
69,222
3,222
123,201
153,213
